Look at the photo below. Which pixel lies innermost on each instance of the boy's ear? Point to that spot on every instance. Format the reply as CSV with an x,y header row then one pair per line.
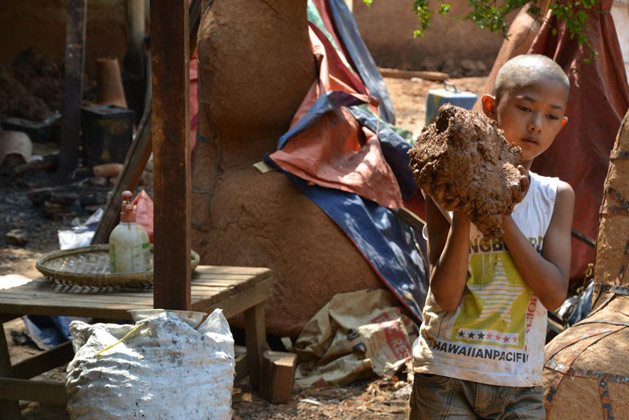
x,y
489,106
564,121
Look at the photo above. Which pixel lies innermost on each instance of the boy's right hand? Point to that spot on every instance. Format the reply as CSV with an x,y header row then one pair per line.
x,y
460,218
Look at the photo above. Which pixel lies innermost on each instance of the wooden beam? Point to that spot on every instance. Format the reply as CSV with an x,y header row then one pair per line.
x,y
255,340
278,370
435,76
139,152
134,164
43,362
72,88
170,132
47,392
9,410
242,369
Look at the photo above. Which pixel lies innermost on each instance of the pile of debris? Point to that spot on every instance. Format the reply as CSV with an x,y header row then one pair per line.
x,y
31,87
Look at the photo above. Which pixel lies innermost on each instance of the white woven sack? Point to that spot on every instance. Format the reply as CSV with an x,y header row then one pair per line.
x,y
170,365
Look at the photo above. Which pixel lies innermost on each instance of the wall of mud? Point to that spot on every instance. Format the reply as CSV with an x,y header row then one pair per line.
x,y
452,46
42,24
386,27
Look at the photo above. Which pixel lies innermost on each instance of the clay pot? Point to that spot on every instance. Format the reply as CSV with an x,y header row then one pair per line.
x,y
255,67
110,89
586,372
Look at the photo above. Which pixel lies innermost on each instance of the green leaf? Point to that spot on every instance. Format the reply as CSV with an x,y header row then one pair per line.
x,y
491,14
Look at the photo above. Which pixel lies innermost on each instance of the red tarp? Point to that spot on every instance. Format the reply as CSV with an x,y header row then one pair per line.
x,y
337,152
599,98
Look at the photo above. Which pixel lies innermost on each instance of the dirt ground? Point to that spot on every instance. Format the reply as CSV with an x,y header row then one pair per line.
x,y
369,399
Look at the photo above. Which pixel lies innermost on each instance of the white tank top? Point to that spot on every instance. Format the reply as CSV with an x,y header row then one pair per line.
x,y
496,336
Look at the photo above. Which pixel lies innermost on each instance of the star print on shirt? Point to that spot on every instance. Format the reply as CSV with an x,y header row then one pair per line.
x,y
481,336
470,335
461,333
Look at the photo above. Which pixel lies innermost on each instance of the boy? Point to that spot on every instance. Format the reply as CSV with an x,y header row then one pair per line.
x,y
481,347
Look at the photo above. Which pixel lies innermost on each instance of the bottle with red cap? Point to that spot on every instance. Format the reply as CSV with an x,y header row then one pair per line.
x,y
129,246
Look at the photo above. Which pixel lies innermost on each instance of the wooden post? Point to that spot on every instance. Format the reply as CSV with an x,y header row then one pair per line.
x,y
72,88
9,410
171,153
140,150
255,340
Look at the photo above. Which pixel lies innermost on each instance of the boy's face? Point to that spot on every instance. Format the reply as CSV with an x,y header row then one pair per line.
x,y
530,115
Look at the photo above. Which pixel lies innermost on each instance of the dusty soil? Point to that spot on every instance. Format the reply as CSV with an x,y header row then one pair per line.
x,y
371,399
464,163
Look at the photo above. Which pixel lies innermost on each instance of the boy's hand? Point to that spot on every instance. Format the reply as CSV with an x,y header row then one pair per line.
x,y
545,273
460,218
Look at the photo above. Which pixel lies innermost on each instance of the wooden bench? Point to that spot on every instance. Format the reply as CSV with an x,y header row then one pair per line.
x,y
233,289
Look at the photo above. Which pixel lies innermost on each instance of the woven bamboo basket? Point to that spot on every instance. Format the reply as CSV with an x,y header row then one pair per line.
x,y
89,267
586,371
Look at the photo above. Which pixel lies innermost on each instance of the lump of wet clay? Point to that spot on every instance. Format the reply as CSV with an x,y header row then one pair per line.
x,y
463,162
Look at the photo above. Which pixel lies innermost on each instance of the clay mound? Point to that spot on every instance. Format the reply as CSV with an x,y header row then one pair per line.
x,y
464,163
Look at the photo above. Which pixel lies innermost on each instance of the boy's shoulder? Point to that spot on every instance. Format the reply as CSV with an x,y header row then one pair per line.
x,y
563,189
565,197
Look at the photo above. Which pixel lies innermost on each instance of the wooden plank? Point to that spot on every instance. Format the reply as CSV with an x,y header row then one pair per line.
x,y
242,370
9,410
43,362
69,309
434,76
194,19
47,392
213,269
225,278
255,339
28,298
72,88
200,295
86,301
278,370
171,153
134,164
238,303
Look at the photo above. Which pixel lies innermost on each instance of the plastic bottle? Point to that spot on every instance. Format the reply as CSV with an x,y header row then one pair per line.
x,y
129,246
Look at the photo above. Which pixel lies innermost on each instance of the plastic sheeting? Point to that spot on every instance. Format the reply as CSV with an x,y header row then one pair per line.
x,y
362,60
169,365
332,154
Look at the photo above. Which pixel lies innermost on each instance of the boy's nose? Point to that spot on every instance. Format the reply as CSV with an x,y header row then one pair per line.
x,y
535,124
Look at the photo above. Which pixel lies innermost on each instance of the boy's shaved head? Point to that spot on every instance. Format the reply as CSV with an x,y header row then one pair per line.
x,y
522,70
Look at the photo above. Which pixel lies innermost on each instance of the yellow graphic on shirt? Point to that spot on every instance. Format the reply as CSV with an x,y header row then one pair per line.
x,y
495,300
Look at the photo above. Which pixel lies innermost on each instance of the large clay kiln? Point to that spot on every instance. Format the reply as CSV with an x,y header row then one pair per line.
x,y
255,67
586,372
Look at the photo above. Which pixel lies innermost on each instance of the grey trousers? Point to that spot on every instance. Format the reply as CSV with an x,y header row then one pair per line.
x,y
437,397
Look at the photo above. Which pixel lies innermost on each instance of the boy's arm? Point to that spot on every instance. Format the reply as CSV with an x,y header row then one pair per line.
x,y
448,255
546,274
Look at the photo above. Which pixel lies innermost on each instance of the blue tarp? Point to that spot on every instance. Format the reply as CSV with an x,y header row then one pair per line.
x,y
363,62
392,247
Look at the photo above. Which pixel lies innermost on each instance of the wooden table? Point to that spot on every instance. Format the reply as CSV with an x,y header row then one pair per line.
x,y
233,289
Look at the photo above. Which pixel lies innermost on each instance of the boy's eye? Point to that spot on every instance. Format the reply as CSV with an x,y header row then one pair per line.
x,y
552,117
524,108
